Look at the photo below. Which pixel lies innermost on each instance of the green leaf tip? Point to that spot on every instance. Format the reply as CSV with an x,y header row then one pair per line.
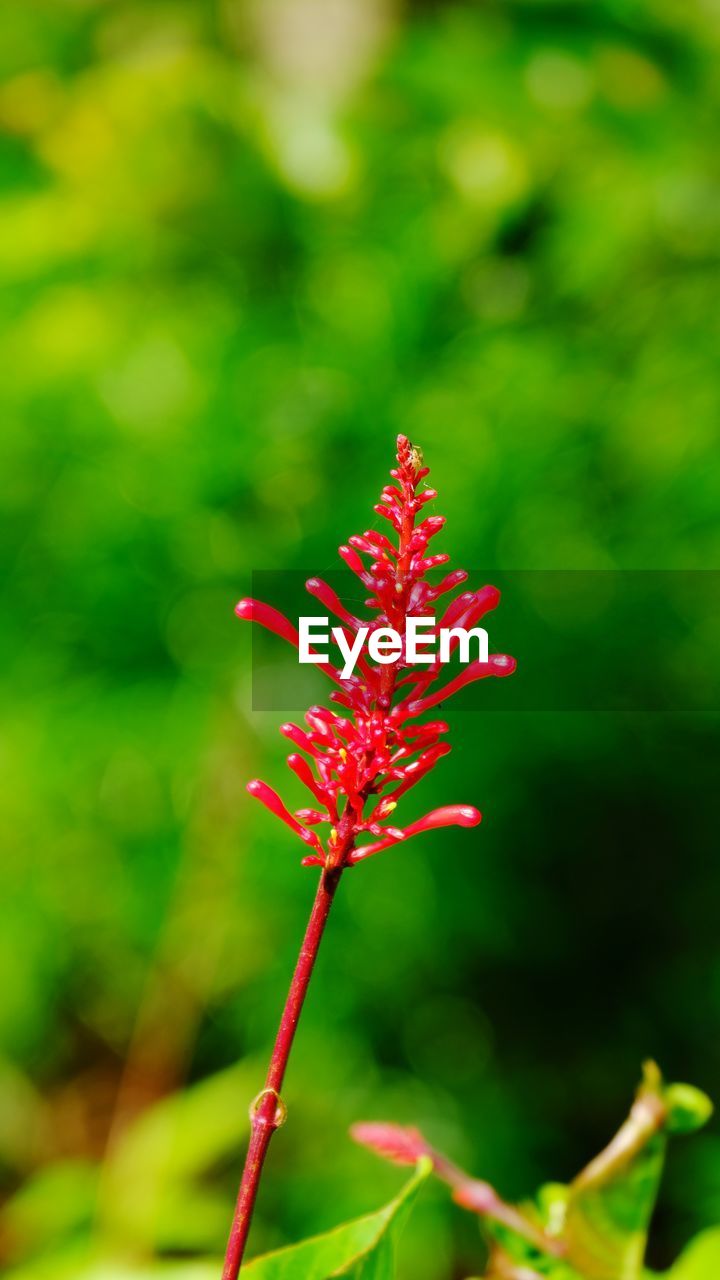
x,y
688,1108
700,1260
685,1108
612,1199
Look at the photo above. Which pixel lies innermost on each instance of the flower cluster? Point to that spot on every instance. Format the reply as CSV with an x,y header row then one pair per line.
x,y
359,760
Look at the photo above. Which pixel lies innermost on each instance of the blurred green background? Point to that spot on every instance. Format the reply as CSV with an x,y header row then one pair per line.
x,y
242,245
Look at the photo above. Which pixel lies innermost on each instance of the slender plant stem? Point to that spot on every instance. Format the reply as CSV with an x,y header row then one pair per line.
x,y
268,1112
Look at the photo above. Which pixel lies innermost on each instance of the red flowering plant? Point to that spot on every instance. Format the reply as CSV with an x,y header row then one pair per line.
x,y
594,1228
360,757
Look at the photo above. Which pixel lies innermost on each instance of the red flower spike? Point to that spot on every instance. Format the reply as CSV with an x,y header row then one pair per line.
x,y
352,758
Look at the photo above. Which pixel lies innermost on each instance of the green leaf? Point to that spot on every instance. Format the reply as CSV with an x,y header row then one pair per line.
x,y
155,1271
152,1194
688,1108
363,1249
611,1201
74,1264
360,1250
54,1203
700,1260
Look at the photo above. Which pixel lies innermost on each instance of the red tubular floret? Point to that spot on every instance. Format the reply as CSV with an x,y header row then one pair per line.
x,y
272,801
302,770
421,731
450,815
300,738
427,496
311,817
389,514
325,594
448,583
379,542
417,769
250,610
353,561
498,664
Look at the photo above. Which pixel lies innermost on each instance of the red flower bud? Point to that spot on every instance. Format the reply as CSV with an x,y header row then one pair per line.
x,y
402,1146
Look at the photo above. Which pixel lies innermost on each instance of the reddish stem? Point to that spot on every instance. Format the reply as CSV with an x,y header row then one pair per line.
x,y
268,1113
